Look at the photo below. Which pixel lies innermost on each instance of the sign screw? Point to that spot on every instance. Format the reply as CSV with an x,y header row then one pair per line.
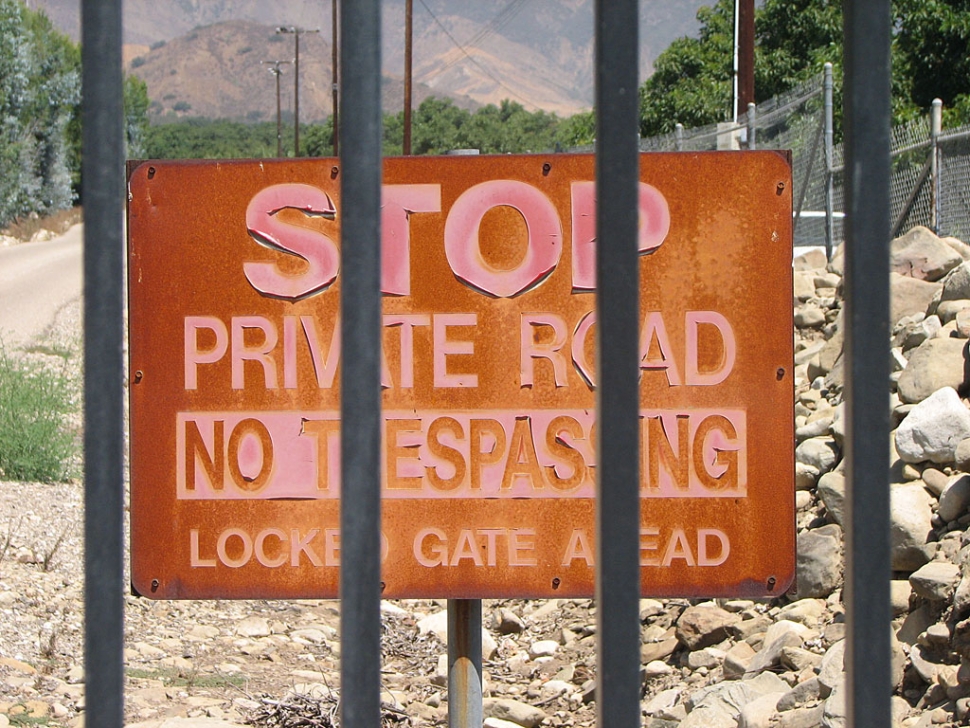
x,y
334,171
546,168
780,188
151,173
154,585
780,374
556,582
138,376
771,583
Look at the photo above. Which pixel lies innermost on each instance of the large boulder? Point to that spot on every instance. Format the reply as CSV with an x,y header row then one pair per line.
x,y
910,525
703,625
921,254
910,295
933,364
956,285
818,568
934,428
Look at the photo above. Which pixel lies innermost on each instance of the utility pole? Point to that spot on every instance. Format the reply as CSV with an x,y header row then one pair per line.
x,y
408,29
296,80
744,56
333,78
277,71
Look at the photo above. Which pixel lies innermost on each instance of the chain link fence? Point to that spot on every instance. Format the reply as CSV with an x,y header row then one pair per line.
x,y
930,183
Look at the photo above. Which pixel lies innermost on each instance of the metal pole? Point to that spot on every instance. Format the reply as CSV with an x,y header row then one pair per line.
x,y
360,380
464,663
408,37
936,128
679,136
102,169
335,116
296,93
866,42
279,128
829,163
618,395
752,127
276,70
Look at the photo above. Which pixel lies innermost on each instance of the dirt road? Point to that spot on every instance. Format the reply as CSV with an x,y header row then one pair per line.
x,y
36,281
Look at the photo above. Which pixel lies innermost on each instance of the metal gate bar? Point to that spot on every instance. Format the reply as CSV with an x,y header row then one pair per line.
x,y
618,400
360,383
867,144
104,199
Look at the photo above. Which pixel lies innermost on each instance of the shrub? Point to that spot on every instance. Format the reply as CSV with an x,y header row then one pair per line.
x,y
35,443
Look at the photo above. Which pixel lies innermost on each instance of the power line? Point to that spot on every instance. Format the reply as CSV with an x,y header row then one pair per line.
x,y
472,59
505,16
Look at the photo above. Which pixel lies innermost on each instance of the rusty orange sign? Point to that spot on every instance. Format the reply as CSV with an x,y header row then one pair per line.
x,y
488,376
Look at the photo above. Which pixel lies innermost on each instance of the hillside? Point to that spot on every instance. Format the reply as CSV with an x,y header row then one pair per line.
x,y
220,71
536,52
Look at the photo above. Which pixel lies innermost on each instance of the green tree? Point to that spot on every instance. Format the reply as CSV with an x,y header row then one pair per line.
x,y
39,97
136,116
930,56
793,39
691,82
576,131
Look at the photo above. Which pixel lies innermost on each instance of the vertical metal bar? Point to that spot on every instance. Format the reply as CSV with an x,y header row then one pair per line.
x,y
360,383
333,78
752,127
867,144
296,93
618,396
408,33
936,128
464,663
829,163
679,136
102,170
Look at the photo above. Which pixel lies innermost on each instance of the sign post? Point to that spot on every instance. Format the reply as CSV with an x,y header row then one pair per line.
x,y
488,376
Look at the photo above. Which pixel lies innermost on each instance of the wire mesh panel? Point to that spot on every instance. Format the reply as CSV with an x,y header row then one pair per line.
x,y
909,189
954,203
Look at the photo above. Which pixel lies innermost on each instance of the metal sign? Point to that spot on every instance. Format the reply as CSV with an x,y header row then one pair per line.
x,y
488,376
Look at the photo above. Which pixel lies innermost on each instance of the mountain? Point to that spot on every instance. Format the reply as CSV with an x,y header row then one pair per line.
x,y
536,52
225,71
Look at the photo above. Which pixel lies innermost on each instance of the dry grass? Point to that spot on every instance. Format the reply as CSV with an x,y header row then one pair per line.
x,y
26,228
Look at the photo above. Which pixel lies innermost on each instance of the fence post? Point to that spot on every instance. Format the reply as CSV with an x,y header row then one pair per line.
x,y
867,30
360,379
104,199
936,128
829,164
679,136
464,663
752,126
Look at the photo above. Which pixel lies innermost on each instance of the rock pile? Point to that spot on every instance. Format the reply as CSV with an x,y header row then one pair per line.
x,y
717,664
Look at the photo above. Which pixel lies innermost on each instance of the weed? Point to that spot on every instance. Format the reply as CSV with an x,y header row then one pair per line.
x,y
173,677
58,223
22,717
35,443
48,644
47,561
8,537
